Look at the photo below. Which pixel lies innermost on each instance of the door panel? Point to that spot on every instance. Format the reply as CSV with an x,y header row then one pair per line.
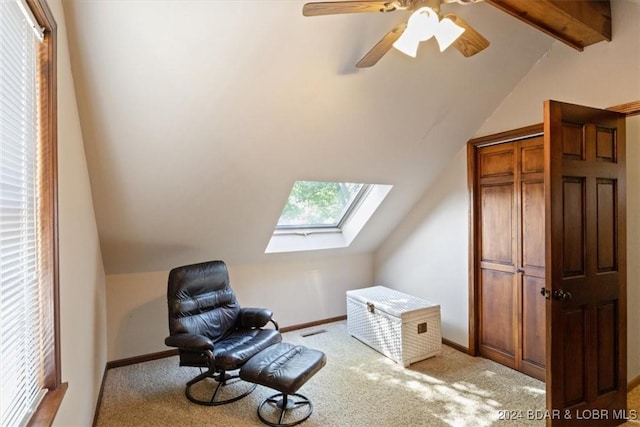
x,y
572,143
497,312
532,156
497,222
586,264
574,355
607,214
532,223
573,226
607,328
533,337
605,144
496,161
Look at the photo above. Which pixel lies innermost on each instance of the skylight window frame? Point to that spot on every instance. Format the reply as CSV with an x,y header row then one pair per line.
x,y
311,239
305,229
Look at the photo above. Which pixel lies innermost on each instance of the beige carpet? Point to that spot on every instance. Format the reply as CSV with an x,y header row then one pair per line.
x,y
357,387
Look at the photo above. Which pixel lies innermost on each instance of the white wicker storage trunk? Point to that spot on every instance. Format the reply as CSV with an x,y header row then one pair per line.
x,y
404,328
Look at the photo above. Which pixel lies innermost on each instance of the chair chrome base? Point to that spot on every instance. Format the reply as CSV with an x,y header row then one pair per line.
x,y
284,403
223,379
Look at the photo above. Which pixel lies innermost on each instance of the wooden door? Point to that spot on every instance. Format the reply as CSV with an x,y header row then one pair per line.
x,y
586,263
511,271
531,253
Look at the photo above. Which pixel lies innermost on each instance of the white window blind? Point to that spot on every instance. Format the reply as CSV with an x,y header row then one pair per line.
x,y
23,339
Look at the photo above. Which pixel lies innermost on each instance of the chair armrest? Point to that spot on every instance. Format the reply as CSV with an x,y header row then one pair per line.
x,y
253,317
190,342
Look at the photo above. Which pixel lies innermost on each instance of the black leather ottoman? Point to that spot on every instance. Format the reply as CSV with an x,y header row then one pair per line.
x,y
284,367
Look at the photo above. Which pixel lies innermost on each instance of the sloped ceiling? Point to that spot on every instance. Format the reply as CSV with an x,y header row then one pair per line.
x,y
198,116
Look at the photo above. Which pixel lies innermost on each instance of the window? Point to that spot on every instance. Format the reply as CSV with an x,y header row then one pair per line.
x,y
29,354
325,215
319,204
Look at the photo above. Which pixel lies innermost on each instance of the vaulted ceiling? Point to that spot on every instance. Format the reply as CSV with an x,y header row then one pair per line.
x,y
198,116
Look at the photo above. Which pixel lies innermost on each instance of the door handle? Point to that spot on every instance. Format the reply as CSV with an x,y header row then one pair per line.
x,y
519,270
558,295
561,295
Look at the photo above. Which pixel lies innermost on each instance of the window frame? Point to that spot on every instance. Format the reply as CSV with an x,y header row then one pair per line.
x,y
49,248
335,227
309,239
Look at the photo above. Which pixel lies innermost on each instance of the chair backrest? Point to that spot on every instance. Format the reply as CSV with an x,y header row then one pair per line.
x,y
201,301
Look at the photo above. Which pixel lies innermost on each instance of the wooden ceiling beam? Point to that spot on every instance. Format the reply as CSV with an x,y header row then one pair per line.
x,y
578,23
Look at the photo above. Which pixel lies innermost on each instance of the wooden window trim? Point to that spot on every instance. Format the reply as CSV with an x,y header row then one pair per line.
x,y
47,54
46,412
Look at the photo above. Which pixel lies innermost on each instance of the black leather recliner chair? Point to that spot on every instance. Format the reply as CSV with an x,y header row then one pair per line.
x,y
212,331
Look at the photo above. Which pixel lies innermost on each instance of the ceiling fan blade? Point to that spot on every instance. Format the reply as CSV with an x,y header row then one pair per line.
x,y
382,47
334,8
471,41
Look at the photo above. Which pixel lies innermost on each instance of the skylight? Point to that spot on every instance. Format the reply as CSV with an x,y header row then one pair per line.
x,y
325,215
313,204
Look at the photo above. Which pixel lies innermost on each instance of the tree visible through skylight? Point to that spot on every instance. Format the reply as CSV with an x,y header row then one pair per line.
x,y
319,204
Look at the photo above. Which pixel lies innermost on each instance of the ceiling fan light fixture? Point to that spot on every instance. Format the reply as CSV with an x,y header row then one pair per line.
x,y
407,44
421,26
448,32
424,21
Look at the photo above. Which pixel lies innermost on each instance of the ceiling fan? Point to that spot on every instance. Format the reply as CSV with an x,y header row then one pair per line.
x,y
425,22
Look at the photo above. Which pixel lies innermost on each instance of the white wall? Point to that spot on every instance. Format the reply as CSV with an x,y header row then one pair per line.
x,y
308,289
633,245
426,256
82,279
603,75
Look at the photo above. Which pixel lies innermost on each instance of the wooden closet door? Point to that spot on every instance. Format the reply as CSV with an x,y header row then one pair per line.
x,y
512,255
531,251
498,229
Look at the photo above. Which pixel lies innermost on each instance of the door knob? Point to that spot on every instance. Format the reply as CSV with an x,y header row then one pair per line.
x,y
546,293
561,295
519,270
